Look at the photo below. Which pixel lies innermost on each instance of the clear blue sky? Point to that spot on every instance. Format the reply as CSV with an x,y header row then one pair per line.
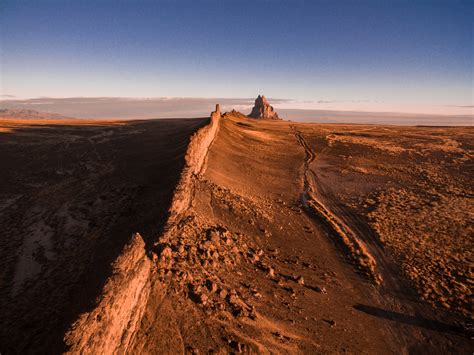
x,y
402,52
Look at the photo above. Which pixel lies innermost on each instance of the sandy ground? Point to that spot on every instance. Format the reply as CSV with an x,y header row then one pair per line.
x,y
296,239
411,188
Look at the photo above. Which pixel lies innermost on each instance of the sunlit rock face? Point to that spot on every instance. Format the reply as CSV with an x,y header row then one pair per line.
x,y
263,110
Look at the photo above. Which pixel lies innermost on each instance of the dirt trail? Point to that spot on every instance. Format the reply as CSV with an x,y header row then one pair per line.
x,y
356,249
398,296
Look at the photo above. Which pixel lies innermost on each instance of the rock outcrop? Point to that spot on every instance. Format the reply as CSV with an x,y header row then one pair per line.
x,y
196,154
217,113
110,328
263,110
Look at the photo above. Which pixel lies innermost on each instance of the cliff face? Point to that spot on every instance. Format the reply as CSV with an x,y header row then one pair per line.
x,y
263,110
111,327
196,153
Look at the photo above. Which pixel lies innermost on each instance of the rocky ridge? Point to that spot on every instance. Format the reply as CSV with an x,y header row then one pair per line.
x,y
128,289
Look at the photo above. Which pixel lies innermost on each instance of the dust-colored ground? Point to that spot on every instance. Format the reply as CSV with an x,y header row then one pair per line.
x,y
270,243
413,187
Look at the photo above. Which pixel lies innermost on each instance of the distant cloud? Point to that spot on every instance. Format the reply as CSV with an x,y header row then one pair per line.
x,y
461,106
343,101
364,117
315,103
8,96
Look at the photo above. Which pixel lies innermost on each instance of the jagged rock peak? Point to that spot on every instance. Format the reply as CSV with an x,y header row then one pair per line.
x,y
263,109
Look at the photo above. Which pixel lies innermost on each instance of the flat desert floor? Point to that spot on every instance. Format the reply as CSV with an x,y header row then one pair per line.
x,y
251,236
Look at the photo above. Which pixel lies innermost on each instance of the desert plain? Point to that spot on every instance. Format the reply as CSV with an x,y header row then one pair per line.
x,y
230,234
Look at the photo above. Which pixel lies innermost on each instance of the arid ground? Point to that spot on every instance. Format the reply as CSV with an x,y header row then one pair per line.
x,y
71,195
233,234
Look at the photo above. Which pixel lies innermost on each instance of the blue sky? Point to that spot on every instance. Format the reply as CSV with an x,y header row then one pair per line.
x,y
412,55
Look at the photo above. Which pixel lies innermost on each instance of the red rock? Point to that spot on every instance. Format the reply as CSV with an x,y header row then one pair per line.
x,y
263,110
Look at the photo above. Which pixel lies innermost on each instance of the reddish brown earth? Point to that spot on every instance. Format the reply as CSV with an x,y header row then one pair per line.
x,y
261,239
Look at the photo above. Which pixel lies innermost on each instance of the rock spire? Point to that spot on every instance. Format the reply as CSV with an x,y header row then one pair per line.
x,y
263,110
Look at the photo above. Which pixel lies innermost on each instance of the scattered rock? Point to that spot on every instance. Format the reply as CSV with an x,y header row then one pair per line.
x,y
192,350
203,298
331,322
237,346
214,236
223,293
212,286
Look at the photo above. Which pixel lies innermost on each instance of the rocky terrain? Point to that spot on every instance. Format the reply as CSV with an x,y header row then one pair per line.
x,y
412,188
230,234
263,110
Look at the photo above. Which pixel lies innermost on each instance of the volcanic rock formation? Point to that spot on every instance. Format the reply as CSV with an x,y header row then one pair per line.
x,y
263,110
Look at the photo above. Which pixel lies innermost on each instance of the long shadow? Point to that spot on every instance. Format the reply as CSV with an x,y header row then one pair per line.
x,y
417,321
136,169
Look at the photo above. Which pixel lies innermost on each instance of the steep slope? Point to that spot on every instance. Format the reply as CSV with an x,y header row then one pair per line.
x,y
71,197
111,326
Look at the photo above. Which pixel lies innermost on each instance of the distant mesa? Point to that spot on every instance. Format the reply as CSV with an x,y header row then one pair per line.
x,y
263,110
23,114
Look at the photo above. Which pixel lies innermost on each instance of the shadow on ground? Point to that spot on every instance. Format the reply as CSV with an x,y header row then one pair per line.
x,y
70,199
416,321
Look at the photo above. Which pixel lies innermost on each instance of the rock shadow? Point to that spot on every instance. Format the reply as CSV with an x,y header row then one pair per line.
x,y
417,321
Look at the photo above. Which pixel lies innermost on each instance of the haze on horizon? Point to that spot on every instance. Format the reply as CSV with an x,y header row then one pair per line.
x,y
372,56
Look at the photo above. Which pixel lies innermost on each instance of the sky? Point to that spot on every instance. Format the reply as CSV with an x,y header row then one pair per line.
x,y
386,56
